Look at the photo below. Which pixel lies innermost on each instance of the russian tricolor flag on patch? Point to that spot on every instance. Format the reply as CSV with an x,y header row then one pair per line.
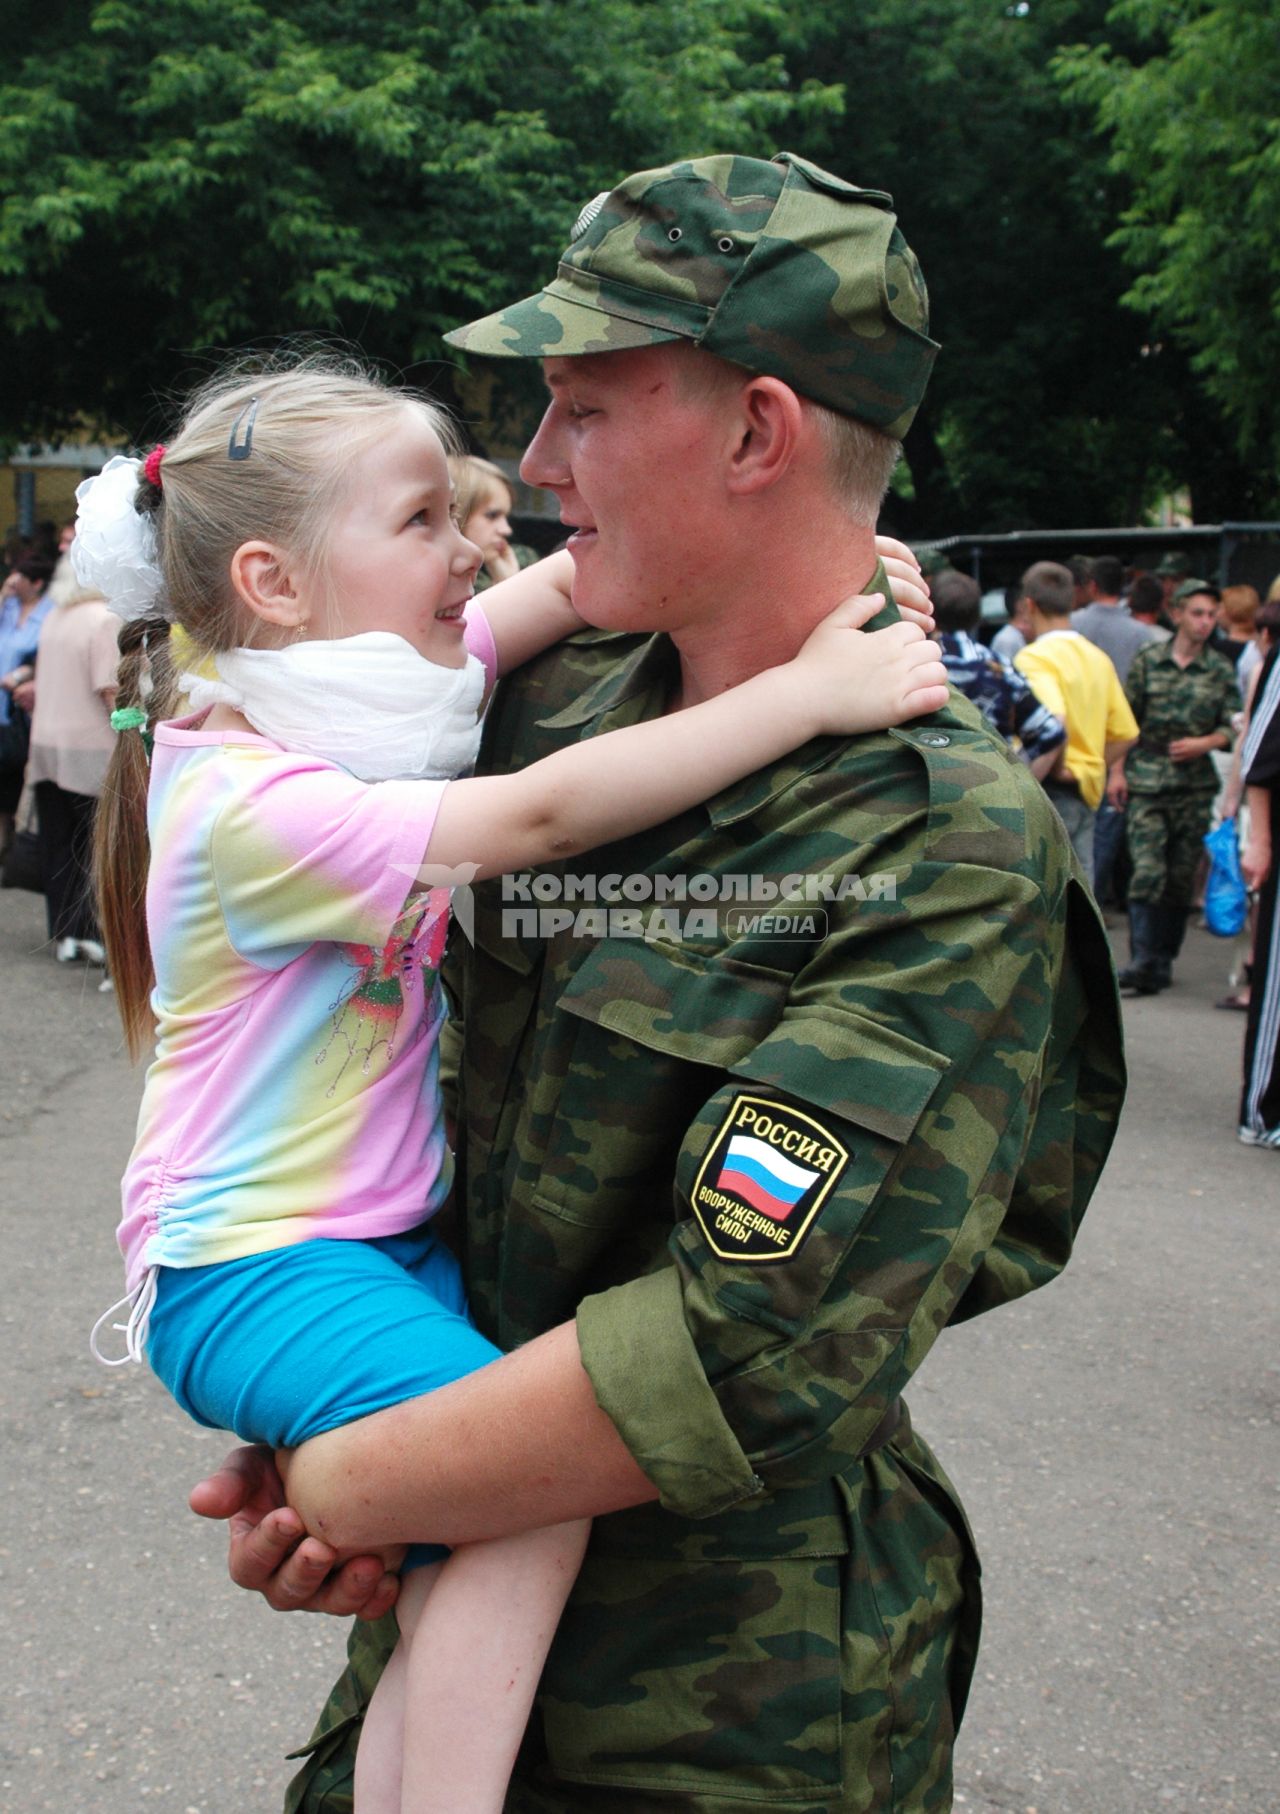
x,y
763,1177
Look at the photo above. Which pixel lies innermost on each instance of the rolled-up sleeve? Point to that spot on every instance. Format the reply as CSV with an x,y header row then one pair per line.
x,y
844,1188
632,1338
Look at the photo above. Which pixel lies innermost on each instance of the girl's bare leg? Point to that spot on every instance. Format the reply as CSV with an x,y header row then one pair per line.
x,y
380,1757
473,1663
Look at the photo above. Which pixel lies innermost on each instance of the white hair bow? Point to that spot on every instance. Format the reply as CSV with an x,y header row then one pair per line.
x,y
115,546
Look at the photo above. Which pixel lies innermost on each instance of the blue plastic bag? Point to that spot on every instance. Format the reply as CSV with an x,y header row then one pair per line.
x,y
1226,899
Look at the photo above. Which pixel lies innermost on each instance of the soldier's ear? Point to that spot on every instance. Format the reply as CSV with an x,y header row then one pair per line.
x,y
769,427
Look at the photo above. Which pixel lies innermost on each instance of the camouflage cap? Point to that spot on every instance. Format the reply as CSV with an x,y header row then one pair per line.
x,y
778,267
1171,566
1190,587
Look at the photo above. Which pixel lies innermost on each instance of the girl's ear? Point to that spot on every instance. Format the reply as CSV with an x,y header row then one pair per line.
x,y
263,581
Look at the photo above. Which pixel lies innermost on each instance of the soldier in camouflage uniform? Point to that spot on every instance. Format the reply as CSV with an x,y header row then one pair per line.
x,y
750,1174
1184,697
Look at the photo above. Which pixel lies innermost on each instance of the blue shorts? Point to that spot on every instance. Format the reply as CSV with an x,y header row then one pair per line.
x,y
287,1344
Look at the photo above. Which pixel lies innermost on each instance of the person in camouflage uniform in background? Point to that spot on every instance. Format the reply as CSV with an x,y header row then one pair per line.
x,y
722,1185
1184,697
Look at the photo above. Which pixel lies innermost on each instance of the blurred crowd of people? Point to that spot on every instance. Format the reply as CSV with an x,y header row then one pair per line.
x,y
58,656
1148,704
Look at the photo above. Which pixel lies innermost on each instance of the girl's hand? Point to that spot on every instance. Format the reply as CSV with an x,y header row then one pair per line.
x,y
865,682
909,586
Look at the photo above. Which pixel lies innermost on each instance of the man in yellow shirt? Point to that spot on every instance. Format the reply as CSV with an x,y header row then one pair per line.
x,y
1079,684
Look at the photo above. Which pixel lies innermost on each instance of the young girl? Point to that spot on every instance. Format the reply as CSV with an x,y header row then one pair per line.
x,y
291,1151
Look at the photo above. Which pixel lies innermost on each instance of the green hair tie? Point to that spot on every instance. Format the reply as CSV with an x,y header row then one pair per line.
x,y
132,718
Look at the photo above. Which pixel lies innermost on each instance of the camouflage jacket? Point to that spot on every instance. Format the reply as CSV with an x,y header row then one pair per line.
x,y
924,1065
764,1155
1170,701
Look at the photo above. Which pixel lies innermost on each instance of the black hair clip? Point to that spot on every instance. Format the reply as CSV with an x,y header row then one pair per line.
x,y
241,448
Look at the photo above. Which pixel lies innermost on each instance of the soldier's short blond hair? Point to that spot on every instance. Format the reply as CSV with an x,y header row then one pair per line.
x,y
860,462
860,459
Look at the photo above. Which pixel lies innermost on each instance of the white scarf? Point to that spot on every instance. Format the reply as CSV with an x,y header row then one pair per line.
x,y
370,703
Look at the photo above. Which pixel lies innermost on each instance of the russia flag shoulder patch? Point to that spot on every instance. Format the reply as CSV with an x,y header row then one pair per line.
x,y
766,1175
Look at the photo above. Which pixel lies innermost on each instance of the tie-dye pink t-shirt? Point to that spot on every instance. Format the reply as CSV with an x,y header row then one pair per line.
x,y
294,1091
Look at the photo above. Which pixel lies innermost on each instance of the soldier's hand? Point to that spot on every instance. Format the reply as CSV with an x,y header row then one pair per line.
x,y
271,1554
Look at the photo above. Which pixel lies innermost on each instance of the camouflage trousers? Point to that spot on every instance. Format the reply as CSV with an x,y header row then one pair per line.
x,y
1165,834
829,1681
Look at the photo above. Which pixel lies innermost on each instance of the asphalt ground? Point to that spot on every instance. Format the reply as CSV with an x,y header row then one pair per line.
x,y
1113,1438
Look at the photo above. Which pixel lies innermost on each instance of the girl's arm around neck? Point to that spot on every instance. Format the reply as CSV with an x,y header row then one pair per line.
x,y
841,683
532,610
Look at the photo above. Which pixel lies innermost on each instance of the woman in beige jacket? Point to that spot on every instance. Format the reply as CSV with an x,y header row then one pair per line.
x,y
71,740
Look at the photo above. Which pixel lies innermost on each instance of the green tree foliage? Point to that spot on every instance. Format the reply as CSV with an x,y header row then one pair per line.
x,y
185,177
1050,404
1192,115
203,174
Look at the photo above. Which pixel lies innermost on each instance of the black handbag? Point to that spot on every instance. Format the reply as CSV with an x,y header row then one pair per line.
x,y
23,865
15,740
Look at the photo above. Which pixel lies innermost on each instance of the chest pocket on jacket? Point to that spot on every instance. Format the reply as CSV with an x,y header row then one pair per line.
x,y
647,1029
639,1037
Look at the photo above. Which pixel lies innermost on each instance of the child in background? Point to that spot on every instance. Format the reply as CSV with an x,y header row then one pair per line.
x,y
281,1269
